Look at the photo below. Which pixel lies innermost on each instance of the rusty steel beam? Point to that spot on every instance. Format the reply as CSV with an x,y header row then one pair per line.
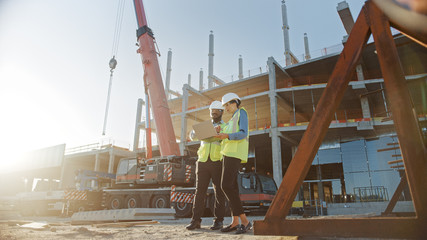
x,y
414,153
407,128
384,227
396,196
320,121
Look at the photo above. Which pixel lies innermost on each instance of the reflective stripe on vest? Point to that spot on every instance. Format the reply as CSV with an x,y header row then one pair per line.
x,y
212,148
235,148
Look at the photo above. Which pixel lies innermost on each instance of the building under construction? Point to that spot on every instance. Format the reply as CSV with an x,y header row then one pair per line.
x,y
359,159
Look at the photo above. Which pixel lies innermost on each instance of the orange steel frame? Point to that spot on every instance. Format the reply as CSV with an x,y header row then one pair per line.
x,y
371,20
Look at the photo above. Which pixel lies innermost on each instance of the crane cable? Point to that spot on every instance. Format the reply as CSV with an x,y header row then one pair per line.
x,y
118,27
114,51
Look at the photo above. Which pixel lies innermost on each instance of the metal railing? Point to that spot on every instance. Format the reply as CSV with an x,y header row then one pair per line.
x,y
371,194
337,48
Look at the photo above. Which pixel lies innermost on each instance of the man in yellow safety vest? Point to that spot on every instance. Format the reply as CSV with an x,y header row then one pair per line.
x,y
209,167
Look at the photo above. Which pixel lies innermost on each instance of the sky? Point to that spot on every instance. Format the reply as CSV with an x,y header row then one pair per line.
x,y
54,56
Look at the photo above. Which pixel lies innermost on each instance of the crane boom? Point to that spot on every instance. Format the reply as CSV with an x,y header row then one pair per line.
x,y
153,82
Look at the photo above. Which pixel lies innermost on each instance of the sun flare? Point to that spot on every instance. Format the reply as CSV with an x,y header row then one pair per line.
x,y
35,117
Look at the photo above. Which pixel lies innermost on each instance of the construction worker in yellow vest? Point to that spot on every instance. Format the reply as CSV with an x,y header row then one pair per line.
x,y
209,167
234,148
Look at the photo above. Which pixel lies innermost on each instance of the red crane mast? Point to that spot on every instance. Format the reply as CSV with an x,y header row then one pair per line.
x,y
154,85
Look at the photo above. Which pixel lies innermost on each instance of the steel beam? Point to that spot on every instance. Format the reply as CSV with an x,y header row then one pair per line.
x,y
288,139
407,128
396,196
404,227
412,147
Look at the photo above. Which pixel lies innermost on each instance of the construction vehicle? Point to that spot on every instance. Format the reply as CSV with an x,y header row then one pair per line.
x,y
165,182
44,199
92,180
161,182
87,192
48,199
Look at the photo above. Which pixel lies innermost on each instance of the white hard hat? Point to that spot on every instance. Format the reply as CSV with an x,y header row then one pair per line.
x,y
216,105
228,97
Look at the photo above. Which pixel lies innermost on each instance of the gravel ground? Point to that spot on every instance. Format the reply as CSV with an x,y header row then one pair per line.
x,y
60,228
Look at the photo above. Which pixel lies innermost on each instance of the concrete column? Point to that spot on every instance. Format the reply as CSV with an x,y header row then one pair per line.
x,y
189,79
348,22
307,49
285,29
137,123
292,113
97,162
148,147
96,168
344,12
274,132
211,60
111,161
63,171
363,100
320,189
201,79
365,107
294,150
184,119
168,73
240,67
300,194
364,103
343,190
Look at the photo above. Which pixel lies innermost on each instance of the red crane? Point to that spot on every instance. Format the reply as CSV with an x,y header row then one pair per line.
x,y
154,85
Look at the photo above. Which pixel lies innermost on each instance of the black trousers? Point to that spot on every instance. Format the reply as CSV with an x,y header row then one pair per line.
x,y
230,171
205,171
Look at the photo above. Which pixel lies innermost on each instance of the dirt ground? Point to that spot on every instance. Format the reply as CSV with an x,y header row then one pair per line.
x,y
60,228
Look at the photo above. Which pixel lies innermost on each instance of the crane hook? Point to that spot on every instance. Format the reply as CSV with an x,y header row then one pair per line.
x,y
113,63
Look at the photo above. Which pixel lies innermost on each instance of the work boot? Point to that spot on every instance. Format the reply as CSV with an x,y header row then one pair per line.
x,y
217,225
193,225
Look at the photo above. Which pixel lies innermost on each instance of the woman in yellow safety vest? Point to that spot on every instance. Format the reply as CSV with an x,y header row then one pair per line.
x,y
234,149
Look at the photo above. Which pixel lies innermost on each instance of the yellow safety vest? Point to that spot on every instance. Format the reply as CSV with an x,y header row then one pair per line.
x,y
235,148
210,148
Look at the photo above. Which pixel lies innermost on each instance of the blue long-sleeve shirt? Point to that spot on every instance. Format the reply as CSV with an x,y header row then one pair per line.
x,y
243,125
